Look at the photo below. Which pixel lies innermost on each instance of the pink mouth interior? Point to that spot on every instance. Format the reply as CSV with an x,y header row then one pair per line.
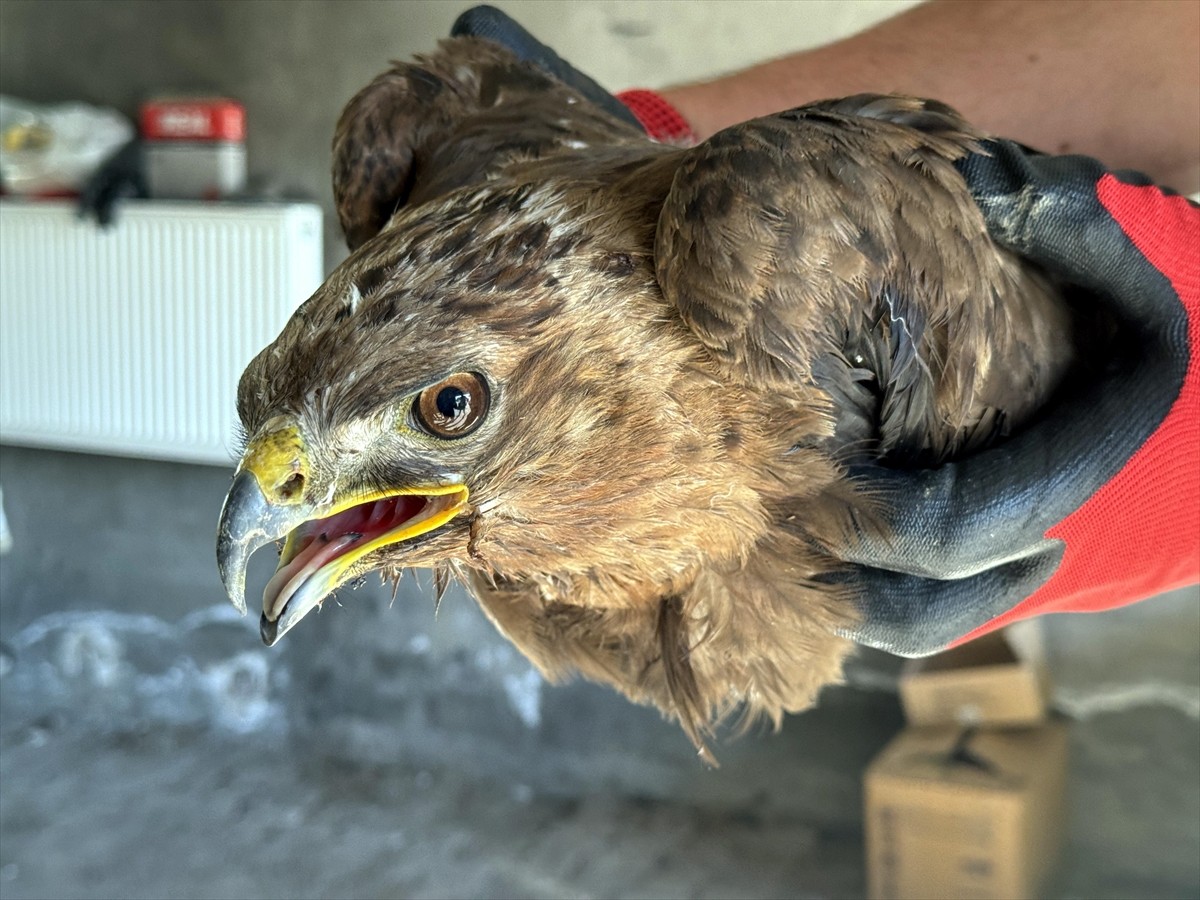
x,y
323,540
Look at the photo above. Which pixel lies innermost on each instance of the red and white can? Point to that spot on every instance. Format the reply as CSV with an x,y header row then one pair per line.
x,y
195,147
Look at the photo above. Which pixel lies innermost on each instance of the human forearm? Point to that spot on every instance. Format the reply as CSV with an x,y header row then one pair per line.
x,y
1115,80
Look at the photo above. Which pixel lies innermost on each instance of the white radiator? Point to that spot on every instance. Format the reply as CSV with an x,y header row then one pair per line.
x,y
130,340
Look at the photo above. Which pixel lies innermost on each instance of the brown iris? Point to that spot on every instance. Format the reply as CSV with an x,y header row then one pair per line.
x,y
453,407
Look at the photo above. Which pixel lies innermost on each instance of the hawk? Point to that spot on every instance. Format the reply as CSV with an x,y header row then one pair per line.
x,y
619,389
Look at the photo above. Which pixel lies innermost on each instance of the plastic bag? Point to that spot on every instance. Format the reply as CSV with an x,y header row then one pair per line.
x,y
53,149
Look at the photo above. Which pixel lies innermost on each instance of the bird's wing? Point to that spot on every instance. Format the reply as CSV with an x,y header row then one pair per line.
x,y
836,244
450,119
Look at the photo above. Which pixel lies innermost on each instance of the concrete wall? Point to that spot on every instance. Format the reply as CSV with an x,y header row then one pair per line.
x,y
112,618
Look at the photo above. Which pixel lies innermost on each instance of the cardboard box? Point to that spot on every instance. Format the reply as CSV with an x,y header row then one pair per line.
x,y
965,814
984,682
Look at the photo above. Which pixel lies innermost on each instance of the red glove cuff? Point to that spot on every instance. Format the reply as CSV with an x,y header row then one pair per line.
x,y
660,119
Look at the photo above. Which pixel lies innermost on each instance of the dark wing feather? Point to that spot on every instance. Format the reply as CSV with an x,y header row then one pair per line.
x,y
451,119
837,244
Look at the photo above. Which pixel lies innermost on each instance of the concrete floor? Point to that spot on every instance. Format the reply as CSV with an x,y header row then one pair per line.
x,y
180,812
151,747
217,819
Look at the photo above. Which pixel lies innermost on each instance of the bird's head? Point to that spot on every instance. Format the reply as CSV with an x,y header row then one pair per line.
x,y
478,387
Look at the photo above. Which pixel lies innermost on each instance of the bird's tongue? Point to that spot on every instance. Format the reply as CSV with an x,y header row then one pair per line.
x,y
321,541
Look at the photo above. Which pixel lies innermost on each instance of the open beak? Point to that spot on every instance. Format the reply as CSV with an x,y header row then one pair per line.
x,y
326,541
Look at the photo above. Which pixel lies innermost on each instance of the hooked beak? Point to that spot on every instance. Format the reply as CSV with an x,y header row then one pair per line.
x,y
326,541
248,522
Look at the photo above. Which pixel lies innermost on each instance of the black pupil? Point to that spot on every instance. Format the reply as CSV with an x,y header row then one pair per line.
x,y
452,401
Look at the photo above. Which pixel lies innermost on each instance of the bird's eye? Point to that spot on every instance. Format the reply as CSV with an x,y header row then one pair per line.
x,y
452,408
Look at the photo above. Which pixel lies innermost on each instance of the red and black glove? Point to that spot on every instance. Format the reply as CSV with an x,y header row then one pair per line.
x,y
1097,505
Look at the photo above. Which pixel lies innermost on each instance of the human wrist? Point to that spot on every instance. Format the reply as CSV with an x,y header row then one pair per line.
x,y
710,106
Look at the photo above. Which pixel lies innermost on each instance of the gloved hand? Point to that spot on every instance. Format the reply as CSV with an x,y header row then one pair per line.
x,y
644,109
491,24
1097,505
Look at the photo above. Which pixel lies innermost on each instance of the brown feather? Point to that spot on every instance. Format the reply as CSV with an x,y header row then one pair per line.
x,y
451,119
684,348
